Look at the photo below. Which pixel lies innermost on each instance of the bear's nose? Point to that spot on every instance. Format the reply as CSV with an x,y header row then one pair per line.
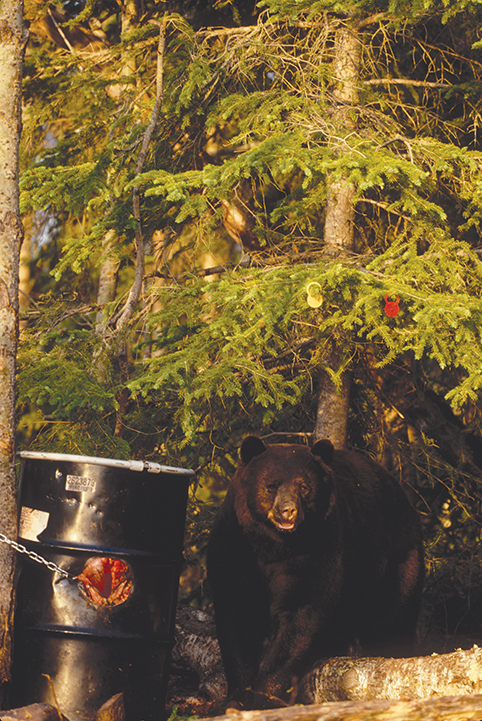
x,y
289,512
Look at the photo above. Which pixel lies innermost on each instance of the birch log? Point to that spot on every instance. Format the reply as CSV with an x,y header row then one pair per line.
x,y
370,679
452,708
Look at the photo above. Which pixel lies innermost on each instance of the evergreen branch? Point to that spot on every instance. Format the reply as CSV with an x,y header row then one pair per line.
x,y
253,29
245,263
298,24
215,270
215,32
401,139
372,20
306,343
78,310
385,206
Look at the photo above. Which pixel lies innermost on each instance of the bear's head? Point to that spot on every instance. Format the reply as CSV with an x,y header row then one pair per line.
x,y
284,485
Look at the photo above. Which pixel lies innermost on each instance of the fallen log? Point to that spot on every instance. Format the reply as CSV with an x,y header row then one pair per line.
x,y
33,712
453,708
197,684
196,650
370,679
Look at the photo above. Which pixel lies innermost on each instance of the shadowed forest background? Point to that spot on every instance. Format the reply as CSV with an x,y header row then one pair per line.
x,y
221,200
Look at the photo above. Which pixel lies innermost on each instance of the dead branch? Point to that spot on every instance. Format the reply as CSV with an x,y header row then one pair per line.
x,y
405,81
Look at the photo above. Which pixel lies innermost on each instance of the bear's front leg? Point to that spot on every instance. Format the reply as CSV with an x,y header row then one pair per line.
x,y
284,660
241,605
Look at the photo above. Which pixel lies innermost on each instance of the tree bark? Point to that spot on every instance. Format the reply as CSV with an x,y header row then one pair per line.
x,y
12,45
333,401
373,679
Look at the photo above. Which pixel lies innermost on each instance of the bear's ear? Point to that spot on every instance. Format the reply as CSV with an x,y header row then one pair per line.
x,y
251,447
324,450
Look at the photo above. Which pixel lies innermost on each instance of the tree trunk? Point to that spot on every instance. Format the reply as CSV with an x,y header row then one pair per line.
x,y
333,401
12,44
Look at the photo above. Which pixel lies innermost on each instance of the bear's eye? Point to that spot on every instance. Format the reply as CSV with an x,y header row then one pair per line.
x,y
271,487
304,489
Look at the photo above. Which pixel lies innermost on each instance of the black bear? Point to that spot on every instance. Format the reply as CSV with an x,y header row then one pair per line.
x,y
311,552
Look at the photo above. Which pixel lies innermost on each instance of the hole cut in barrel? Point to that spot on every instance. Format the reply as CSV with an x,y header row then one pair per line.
x,y
106,581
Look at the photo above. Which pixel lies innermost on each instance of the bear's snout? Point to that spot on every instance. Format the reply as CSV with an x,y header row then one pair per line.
x,y
286,512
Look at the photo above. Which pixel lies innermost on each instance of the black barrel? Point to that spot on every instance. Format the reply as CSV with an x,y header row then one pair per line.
x,y
117,528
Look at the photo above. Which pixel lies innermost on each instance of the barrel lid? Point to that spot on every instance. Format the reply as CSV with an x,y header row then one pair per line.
x,y
113,462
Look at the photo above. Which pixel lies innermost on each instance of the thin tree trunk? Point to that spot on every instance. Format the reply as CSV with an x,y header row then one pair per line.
x,y
333,400
135,291
110,265
107,281
12,45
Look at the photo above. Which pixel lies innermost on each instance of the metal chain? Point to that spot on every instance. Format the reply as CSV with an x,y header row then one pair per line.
x,y
35,557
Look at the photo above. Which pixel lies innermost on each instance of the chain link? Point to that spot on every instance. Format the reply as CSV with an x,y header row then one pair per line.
x,y
35,557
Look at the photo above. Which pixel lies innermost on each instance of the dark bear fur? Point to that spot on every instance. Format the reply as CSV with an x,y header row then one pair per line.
x,y
311,552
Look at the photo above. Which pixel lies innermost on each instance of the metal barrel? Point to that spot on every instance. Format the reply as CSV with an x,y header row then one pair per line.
x,y
117,529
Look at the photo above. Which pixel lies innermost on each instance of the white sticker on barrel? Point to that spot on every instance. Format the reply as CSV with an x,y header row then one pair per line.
x,y
80,484
32,523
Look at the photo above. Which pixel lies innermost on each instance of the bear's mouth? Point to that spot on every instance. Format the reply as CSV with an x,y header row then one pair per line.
x,y
285,526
